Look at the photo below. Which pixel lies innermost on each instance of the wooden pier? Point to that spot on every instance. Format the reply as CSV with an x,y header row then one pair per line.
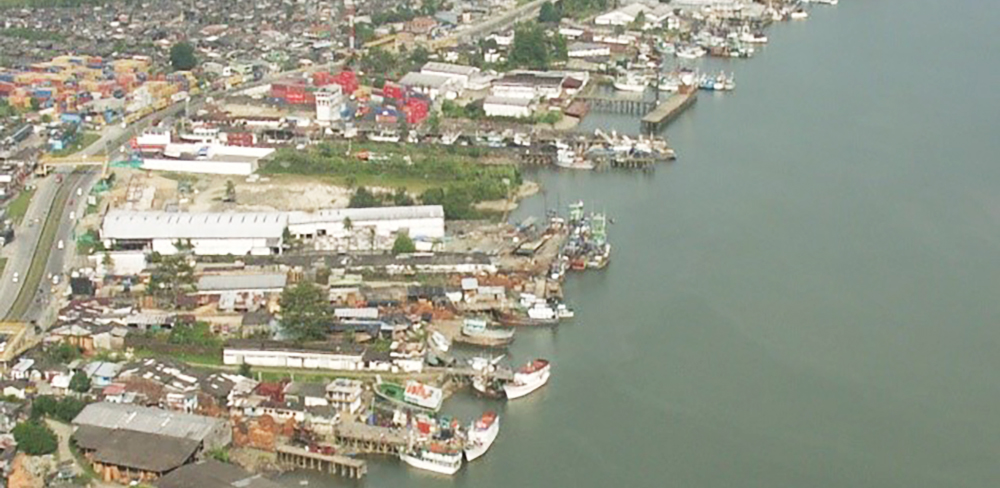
x,y
366,438
619,105
326,463
664,113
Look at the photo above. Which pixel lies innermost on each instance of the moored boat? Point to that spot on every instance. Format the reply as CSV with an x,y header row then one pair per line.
x,y
414,395
436,458
481,435
528,378
631,82
476,331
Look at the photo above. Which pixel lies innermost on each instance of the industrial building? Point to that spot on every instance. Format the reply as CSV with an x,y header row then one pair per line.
x,y
420,222
238,234
208,159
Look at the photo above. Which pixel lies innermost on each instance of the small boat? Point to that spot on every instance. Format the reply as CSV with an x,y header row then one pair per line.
x,y
752,37
799,15
690,52
436,458
488,387
439,341
476,331
481,435
528,378
668,83
631,82
564,312
414,395
384,136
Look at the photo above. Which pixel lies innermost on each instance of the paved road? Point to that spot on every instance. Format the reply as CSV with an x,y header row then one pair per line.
x,y
19,252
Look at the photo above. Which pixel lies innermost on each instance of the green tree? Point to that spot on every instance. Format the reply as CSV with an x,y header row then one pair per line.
x,y
182,56
79,383
401,199
305,311
403,244
230,192
434,123
245,370
549,13
63,353
363,198
172,276
35,438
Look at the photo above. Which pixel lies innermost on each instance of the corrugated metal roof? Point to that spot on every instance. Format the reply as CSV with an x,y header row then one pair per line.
x,y
268,281
148,420
367,214
125,224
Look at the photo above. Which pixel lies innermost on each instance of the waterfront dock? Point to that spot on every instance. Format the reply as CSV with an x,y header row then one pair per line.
x,y
364,438
664,113
297,457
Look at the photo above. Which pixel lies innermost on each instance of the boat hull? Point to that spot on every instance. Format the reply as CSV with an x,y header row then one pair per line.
x,y
515,390
434,467
481,440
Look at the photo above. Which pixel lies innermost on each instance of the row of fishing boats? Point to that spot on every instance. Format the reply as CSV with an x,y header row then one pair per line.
x,y
444,448
636,81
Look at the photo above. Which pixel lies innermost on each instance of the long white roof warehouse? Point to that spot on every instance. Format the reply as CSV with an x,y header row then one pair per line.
x,y
259,233
209,233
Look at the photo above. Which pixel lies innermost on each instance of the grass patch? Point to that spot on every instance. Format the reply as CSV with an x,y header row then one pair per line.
x,y
194,359
3,264
18,208
81,142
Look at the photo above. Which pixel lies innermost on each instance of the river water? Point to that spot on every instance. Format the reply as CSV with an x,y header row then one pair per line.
x,y
806,298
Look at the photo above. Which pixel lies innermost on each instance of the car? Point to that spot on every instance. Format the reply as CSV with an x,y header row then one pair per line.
x,y
17,276
72,215
60,244
79,192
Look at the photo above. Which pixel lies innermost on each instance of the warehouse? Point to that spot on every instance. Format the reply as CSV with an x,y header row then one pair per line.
x,y
420,222
208,233
274,354
208,159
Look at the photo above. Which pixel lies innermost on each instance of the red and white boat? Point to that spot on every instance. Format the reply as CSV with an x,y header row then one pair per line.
x,y
481,435
528,378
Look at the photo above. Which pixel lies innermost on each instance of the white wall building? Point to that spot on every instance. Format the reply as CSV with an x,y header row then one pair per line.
x,y
209,233
421,221
276,355
433,85
458,72
515,107
588,50
330,103
208,159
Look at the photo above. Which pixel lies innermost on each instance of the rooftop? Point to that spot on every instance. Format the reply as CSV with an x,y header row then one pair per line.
x,y
127,224
228,282
454,69
213,474
125,417
368,214
139,450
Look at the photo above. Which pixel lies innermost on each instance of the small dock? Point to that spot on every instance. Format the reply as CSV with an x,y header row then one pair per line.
x,y
667,111
326,463
619,105
468,372
364,438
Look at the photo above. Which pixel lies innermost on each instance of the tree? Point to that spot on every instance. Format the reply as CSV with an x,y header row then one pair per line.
x,y
79,383
172,276
362,198
434,123
245,370
401,199
230,192
403,244
35,438
549,13
305,311
108,262
182,56
640,21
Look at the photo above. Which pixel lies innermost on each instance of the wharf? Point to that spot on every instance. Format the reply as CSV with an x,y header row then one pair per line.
x,y
667,111
327,463
467,372
364,438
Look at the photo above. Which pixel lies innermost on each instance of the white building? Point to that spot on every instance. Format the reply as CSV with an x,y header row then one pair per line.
x,y
537,84
208,159
515,107
344,394
421,221
433,85
279,355
209,233
588,50
330,103
654,15
458,72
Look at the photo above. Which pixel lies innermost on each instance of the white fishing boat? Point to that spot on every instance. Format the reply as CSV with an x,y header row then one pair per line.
x,y
437,459
422,395
528,378
799,15
669,83
481,435
564,312
384,136
631,82
752,37
827,2
569,159
690,52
